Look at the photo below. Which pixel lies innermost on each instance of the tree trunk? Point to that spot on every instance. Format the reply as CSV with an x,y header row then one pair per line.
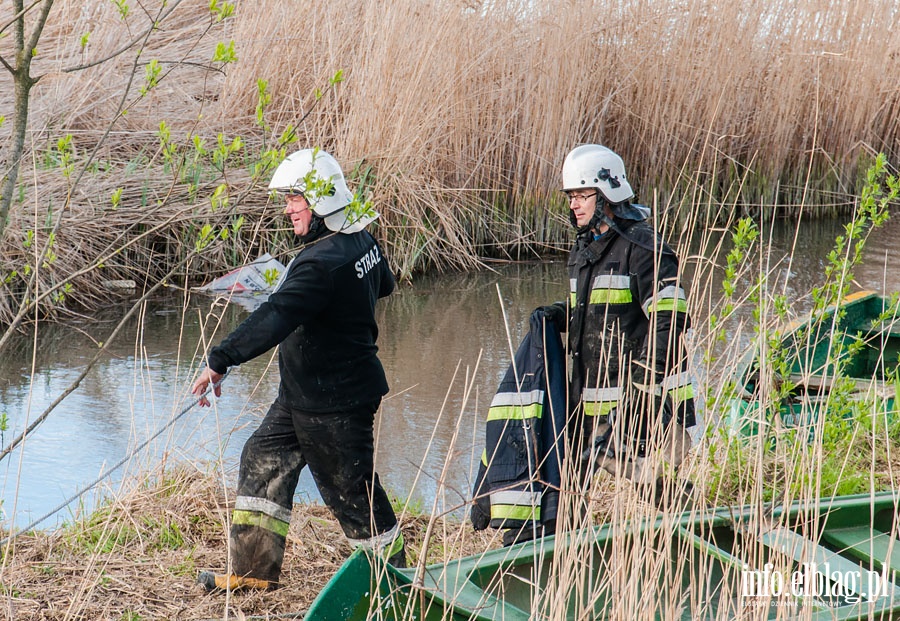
x,y
21,75
23,84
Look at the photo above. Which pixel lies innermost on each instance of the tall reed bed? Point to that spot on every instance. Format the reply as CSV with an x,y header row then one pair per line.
x,y
455,116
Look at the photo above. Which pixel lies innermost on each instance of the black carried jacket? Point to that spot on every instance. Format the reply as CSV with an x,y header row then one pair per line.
x,y
322,313
626,303
519,476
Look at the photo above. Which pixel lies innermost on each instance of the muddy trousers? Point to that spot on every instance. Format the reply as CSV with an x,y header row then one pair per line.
x,y
339,450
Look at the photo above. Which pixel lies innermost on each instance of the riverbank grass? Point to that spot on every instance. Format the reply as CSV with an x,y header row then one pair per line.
x,y
137,556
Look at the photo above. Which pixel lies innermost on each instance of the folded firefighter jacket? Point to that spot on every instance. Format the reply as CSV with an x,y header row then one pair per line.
x,y
517,486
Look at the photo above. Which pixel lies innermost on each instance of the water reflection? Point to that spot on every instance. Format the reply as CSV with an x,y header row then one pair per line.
x,y
443,342
429,332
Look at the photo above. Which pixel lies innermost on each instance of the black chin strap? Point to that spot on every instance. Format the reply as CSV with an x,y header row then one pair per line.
x,y
661,248
597,219
316,228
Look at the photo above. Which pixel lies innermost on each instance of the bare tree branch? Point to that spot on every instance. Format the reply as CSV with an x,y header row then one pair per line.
x,y
188,63
21,13
39,27
27,304
23,83
97,356
127,46
7,65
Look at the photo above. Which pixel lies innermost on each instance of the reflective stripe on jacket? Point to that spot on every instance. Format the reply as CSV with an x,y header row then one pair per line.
x,y
626,303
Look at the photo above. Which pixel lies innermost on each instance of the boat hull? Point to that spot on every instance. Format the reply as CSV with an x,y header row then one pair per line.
x,y
716,565
859,360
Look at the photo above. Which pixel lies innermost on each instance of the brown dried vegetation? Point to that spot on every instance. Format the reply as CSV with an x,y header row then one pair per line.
x,y
456,115
138,556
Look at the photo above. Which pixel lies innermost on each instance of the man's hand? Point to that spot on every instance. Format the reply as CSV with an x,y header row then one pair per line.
x,y
555,314
202,383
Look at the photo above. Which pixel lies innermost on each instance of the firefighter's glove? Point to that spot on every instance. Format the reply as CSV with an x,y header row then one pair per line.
x,y
553,313
480,519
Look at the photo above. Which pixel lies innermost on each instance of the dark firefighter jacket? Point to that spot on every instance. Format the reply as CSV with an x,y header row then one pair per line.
x,y
520,471
626,303
322,313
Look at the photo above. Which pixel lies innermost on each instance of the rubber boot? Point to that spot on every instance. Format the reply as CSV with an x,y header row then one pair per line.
x,y
229,582
398,560
673,495
528,532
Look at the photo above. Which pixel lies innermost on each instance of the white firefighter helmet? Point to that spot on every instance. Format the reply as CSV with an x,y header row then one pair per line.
x,y
304,172
595,166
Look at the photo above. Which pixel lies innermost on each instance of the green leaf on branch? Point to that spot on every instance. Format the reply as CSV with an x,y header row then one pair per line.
x,y
288,136
206,236
271,276
199,146
219,197
65,152
151,76
122,6
224,53
222,10
263,99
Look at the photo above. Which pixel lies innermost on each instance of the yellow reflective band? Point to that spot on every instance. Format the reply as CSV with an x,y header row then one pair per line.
x,y
670,304
261,520
572,300
484,457
598,408
395,546
516,512
515,412
682,393
610,296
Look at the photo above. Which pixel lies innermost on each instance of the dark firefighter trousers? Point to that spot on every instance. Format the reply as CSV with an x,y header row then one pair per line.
x,y
339,450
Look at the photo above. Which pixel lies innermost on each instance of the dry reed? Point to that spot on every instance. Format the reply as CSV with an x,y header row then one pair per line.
x,y
138,557
460,114
464,113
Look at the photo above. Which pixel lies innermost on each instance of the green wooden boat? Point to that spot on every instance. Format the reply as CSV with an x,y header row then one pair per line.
x,y
856,347
840,555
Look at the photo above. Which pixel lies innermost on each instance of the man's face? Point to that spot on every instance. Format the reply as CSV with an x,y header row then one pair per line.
x,y
297,209
583,203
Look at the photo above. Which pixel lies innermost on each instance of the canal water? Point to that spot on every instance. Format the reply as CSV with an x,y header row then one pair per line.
x,y
445,342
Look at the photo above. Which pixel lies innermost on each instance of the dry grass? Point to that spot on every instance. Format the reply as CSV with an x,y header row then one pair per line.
x,y
459,114
140,554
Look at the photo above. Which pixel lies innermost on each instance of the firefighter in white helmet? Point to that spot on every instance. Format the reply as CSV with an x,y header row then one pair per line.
x,y
626,314
322,317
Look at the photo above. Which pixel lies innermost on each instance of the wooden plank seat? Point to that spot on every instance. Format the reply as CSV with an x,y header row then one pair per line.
x,y
869,546
803,550
820,384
